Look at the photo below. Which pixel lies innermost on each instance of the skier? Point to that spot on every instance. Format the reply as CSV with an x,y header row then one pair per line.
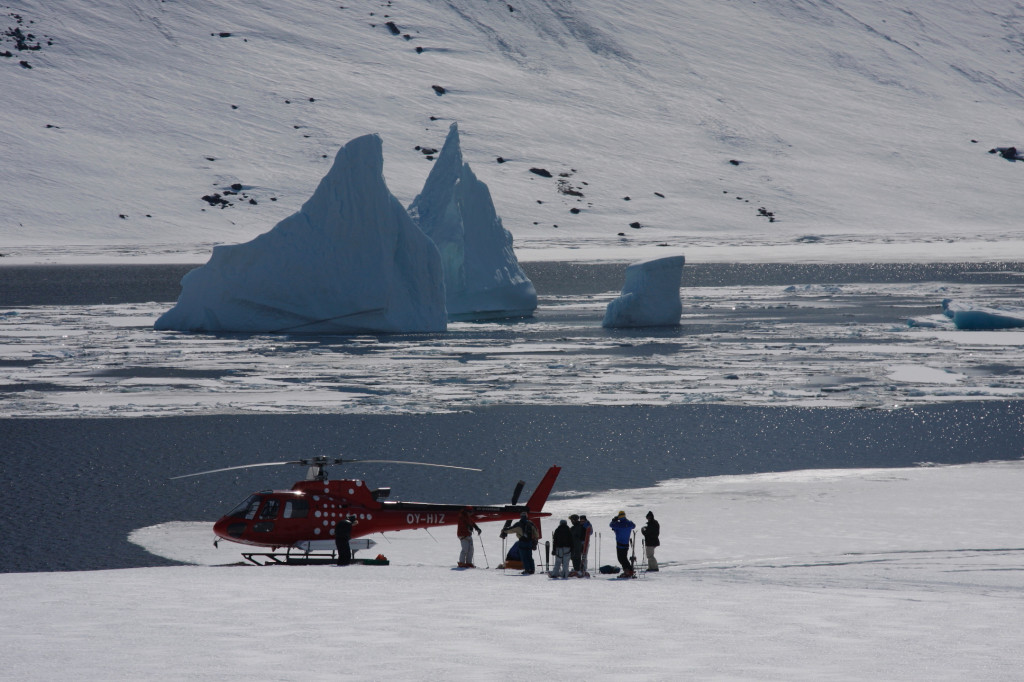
x,y
578,534
342,534
650,533
588,530
623,528
561,541
465,532
527,541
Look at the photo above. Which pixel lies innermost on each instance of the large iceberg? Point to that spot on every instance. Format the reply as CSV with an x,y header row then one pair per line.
x,y
482,277
650,295
350,261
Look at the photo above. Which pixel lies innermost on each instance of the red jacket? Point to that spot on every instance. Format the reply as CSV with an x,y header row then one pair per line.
x,y
466,525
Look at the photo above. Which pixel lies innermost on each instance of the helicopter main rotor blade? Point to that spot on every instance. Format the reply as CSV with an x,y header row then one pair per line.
x,y
322,462
402,461
243,466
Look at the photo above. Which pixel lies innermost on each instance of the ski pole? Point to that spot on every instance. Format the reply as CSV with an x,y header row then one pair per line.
x,y
487,564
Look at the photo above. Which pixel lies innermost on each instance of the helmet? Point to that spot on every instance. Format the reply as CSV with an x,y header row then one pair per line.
x,y
622,513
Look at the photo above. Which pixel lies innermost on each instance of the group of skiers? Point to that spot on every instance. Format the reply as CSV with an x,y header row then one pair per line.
x,y
570,543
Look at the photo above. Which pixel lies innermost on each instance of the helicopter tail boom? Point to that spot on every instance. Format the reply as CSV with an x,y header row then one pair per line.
x,y
540,494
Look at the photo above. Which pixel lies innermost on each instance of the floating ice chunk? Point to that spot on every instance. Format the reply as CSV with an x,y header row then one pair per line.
x,y
814,289
650,296
482,276
350,261
920,374
967,315
930,322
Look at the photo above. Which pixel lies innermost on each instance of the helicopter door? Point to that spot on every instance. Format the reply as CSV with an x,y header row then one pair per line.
x,y
270,509
296,509
265,523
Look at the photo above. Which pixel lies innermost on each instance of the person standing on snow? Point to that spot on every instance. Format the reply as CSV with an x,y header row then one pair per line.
x,y
342,534
650,533
623,528
528,541
465,532
578,534
561,541
588,530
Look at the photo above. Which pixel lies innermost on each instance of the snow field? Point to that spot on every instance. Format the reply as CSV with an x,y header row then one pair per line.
x,y
845,574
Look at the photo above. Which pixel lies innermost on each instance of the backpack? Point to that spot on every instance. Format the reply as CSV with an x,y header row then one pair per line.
x,y
530,532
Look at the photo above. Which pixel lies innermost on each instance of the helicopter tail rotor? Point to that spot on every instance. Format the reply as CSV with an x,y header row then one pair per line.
x,y
515,500
518,491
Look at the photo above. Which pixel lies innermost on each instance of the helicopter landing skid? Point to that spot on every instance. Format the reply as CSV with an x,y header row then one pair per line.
x,y
304,559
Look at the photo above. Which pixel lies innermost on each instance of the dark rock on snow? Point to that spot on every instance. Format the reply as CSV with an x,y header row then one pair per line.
x,y
1008,153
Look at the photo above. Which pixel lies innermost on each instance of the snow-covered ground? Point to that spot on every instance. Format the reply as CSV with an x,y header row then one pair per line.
x,y
897,574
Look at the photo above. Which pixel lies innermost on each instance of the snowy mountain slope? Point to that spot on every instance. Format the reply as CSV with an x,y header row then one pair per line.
x,y
731,122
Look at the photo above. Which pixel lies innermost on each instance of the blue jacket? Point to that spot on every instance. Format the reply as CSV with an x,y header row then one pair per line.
x,y
623,528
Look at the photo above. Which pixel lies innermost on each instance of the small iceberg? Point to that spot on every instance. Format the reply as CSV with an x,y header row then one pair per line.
x,y
967,315
650,295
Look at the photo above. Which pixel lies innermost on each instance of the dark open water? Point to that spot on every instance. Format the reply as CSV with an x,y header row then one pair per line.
x,y
74,489
22,285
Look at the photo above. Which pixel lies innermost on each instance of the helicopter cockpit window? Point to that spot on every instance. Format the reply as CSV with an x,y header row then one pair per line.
x,y
270,509
296,509
247,509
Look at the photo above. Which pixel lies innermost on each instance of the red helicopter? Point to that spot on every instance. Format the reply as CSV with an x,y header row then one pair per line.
x,y
304,517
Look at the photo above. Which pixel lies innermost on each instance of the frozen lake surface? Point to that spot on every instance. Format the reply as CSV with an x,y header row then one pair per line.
x,y
750,335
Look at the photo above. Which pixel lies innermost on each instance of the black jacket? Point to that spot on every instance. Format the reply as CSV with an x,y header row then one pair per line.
x,y
343,531
651,532
562,537
579,534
